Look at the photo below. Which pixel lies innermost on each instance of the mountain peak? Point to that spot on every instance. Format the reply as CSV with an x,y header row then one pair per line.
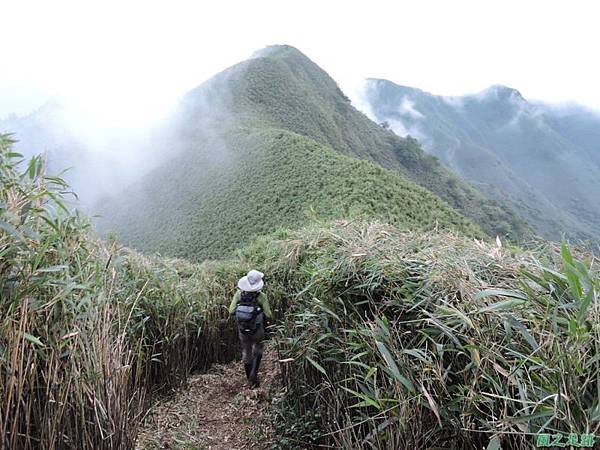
x,y
502,93
277,51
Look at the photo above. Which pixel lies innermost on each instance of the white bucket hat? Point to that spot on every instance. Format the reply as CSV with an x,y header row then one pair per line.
x,y
252,282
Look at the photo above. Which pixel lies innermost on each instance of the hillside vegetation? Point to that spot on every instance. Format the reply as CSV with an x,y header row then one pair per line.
x,y
393,338
266,179
233,177
542,160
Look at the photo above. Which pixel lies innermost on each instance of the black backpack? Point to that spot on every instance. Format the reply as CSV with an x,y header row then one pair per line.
x,y
248,313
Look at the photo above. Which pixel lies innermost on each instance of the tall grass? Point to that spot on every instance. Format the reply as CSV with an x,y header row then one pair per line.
x,y
403,340
88,329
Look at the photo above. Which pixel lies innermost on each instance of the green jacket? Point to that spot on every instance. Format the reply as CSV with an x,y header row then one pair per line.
x,y
262,301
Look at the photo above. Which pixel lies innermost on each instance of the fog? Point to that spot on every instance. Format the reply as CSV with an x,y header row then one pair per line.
x,y
96,159
103,159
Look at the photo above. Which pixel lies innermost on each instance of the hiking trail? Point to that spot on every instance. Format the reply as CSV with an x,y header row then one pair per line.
x,y
216,410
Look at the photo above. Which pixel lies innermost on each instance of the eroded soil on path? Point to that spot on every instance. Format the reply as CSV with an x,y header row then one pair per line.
x,y
215,411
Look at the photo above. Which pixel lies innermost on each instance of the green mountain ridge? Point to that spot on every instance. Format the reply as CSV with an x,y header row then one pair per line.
x,y
543,161
216,194
274,178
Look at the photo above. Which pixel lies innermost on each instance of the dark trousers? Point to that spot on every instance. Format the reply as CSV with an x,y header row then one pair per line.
x,y
252,345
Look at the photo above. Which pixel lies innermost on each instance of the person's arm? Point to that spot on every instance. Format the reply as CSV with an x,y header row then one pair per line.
x,y
234,302
264,302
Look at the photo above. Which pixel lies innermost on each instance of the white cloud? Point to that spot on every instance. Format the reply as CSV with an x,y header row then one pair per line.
x,y
357,91
407,108
404,129
126,62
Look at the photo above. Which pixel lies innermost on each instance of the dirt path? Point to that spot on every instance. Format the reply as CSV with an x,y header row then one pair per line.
x,y
216,411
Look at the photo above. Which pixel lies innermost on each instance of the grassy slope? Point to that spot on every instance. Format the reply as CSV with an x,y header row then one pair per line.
x,y
87,328
268,179
394,346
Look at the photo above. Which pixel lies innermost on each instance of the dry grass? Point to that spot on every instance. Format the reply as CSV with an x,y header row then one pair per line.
x,y
88,329
410,340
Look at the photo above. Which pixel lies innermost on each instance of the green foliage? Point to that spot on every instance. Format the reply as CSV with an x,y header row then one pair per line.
x,y
272,179
405,340
294,430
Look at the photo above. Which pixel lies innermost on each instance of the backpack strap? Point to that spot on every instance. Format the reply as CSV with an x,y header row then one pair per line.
x,y
249,298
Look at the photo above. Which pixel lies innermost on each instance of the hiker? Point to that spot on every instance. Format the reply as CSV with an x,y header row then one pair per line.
x,y
251,306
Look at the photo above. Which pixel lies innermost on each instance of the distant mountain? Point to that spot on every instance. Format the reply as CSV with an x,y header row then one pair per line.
x,y
544,160
578,124
273,139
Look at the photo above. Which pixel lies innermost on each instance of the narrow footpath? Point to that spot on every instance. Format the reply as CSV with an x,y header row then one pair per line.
x,y
215,411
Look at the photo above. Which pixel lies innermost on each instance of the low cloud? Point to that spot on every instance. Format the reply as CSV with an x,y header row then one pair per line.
x,y
407,108
103,158
357,91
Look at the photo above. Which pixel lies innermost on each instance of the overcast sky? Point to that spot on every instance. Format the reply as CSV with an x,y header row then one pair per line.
x,y
129,61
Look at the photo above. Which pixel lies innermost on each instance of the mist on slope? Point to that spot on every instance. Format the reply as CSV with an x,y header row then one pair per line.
x,y
516,114
109,140
95,158
108,155
104,153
